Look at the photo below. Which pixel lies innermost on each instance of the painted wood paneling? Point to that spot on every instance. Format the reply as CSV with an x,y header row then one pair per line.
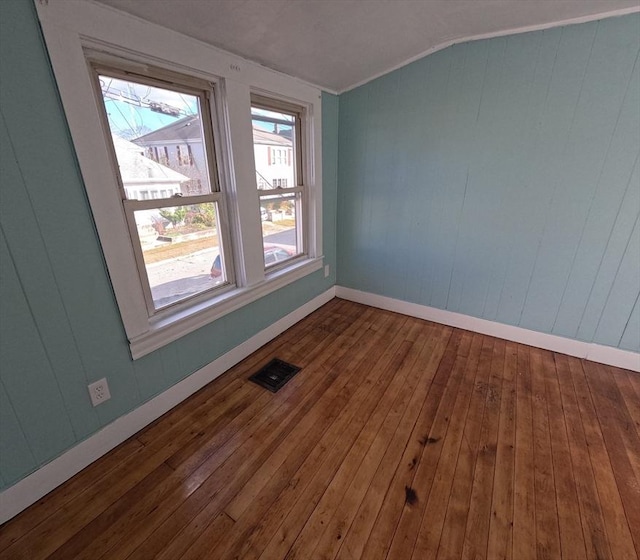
x,y
330,108
39,284
500,179
631,335
16,458
60,324
614,253
28,377
623,294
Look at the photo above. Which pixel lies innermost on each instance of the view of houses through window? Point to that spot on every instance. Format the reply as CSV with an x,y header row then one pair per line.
x,y
170,192
276,136
169,186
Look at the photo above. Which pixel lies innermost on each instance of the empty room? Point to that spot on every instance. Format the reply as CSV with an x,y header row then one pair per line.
x,y
320,279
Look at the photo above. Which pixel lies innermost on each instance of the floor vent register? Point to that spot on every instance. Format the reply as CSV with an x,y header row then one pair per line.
x,y
274,375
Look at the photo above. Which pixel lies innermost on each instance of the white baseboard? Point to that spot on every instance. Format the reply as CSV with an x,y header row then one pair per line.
x,y
33,487
587,350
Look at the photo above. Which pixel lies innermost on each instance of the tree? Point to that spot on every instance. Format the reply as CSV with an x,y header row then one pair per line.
x,y
175,216
204,214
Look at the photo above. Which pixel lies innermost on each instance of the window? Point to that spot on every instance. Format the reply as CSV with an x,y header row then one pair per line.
x,y
186,236
278,140
178,235
184,155
164,158
279,156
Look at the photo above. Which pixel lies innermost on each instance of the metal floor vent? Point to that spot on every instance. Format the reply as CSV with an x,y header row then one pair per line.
x,y
274,375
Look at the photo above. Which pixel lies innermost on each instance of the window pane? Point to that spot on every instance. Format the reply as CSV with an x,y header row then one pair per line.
x,y
280,234
274,149
272,115
181,250
158,139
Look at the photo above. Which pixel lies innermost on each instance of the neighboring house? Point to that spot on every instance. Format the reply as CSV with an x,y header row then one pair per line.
x,y
179,146
145,179
274,159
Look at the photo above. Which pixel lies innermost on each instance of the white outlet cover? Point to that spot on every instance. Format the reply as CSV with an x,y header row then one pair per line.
x,y
99,391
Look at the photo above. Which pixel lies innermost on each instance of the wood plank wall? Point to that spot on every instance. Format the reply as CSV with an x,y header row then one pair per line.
x,y
501,179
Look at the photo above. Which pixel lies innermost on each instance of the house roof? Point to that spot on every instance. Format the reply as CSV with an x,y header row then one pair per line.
x,y
188,129
134,166
263,137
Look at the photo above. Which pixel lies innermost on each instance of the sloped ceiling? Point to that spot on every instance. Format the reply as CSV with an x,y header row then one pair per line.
x,y
338,44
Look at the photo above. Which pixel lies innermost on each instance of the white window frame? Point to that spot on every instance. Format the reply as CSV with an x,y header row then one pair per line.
x,y
104,64
71,27
298,190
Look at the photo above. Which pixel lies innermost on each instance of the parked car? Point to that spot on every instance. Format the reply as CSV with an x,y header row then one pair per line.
x,y
272,254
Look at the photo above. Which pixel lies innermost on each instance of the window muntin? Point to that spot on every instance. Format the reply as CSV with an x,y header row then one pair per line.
x,y
162,141
277,144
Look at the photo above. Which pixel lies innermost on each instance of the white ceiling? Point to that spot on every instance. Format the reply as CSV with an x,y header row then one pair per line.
x,y
338,44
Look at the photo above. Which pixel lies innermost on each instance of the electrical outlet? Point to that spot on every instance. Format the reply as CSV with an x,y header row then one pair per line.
x,y
99,392
326,270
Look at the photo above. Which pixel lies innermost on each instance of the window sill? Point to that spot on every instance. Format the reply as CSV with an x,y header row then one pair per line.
x,y
167,328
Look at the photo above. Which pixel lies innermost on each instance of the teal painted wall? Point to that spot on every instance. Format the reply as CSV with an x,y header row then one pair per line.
x,y
500,179
59,324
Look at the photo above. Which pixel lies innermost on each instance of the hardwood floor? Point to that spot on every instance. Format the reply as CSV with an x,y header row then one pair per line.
x,y
399,439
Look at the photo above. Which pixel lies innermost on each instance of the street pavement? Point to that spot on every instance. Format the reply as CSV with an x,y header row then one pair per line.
x,y
182,277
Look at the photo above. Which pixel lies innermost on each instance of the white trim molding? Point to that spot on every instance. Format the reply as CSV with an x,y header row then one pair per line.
x,y
199,315
33,487
586,350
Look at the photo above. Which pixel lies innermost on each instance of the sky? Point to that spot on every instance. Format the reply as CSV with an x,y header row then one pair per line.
x,y
127,105
128,108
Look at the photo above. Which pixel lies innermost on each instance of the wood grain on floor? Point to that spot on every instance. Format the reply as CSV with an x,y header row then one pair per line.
x,y
399,439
